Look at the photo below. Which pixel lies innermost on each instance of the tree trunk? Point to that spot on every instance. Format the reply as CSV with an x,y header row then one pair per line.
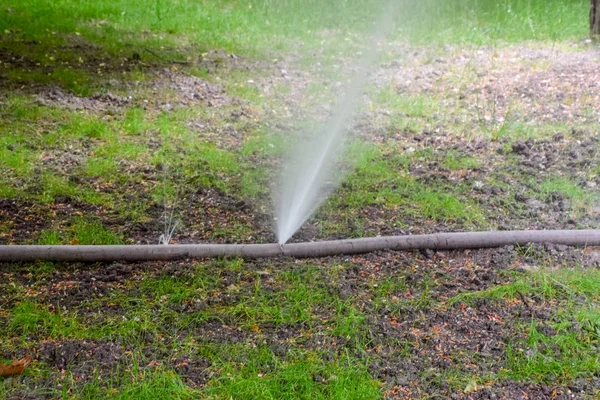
x,y
595,19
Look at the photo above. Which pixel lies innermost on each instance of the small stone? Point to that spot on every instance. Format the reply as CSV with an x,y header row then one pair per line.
x,y
519,147
200,305
521,197
561,247
428,253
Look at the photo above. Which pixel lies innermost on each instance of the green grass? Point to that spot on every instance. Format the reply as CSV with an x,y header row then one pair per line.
x,y
408,113
174,290
383,179
28,318
266,26
376,179
134,121
240,370
350,323
567,354
574,193
81,126
303,376
442,206
561,187
293,303
454,161
54,186
161,385
77,81
405,105
18,159
125,164
81,231
32,133
263,144
563,284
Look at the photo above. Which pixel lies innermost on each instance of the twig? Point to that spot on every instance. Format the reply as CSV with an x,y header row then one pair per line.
x,y
524,300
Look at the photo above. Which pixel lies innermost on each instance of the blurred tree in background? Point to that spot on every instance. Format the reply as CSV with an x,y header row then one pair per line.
x,y
595,18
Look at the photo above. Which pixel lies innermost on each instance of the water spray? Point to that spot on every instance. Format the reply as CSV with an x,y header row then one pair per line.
x,y
308,179
310,173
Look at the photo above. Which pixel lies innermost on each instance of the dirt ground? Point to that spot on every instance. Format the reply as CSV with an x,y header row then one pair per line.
x,y
418,341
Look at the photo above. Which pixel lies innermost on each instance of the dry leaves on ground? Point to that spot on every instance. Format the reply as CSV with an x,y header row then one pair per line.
x,y
14,368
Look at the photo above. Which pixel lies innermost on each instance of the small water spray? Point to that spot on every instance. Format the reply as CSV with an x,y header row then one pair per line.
x,y
167,235
170,223
311,172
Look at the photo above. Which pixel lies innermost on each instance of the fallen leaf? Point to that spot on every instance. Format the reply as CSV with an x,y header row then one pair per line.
x,y
15,368
472,386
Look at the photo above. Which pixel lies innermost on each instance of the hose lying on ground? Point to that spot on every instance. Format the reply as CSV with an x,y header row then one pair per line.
x,y
439,241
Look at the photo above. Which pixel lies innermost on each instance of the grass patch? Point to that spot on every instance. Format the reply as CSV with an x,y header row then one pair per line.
x,y
376,179
101,167
576,194
81,126
455,162
350,323
19,159
563,284
134,122
267,26
568,352
204,165
301,376
158,384
403,105
81,231
563,356
447,207
292,304
28,318
74,80
54,186
135,383
384,180
174,290
408,113
263,144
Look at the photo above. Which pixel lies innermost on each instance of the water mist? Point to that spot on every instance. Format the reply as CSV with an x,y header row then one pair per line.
x,y
311,172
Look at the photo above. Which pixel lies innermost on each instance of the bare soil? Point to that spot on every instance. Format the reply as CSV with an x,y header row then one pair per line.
x,y
410,344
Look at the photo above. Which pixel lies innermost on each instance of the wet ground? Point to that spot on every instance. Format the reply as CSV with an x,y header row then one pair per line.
x,y
530,114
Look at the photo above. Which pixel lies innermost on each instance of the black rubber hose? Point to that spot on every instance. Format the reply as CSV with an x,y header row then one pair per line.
x,y
439,241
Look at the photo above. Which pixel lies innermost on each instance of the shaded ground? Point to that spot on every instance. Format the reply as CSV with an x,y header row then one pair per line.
x,y
489,138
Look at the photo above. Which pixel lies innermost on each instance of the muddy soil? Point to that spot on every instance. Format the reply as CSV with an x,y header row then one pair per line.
x,y
414,335
409,343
